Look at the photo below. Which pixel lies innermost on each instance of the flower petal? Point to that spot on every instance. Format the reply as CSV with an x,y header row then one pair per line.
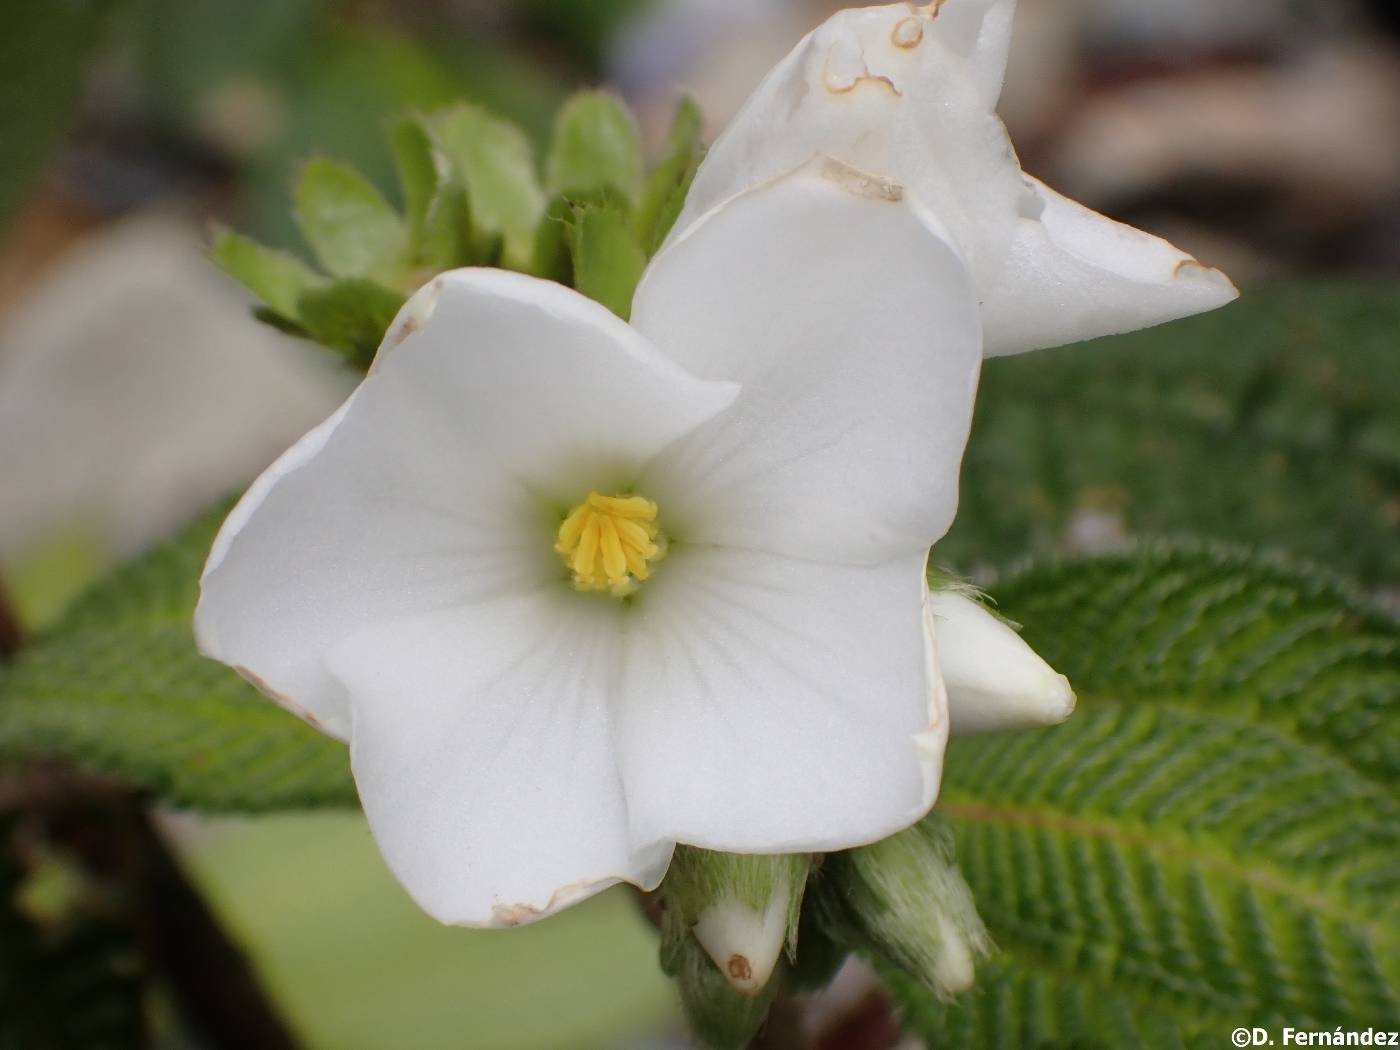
x,y
995,680
1075,274
484,757
896,91
853,332
771,705
910,94
431,487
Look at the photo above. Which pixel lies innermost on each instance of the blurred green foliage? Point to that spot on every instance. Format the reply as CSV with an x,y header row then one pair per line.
x,y
583,27
1213,839
72,970
44,50
353,962
1273,422
117,685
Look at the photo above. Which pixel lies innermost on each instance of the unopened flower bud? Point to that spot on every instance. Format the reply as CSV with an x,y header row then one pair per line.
x,y
741,909
720,1017
995,681
906,898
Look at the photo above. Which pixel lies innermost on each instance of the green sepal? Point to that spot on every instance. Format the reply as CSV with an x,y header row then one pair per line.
x,y
905,898
419,178
275,277
663,196
607,260
350,316
350,226
551,257
439,221
595,149
495,164
719,1017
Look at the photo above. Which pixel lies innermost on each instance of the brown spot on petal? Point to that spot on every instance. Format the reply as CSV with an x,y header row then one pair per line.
x,y
909,33
740,968
520,914
515,914
861,183
291,705
845,88
842,81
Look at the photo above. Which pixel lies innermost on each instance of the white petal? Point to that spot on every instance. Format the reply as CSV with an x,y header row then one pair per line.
x,y
895,93
484,757
995,680
432,486
980,31
770,705
852,330
1074,274
892,91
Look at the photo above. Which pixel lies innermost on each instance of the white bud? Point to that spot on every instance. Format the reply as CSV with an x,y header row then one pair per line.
x,y
995,681
906,898
744,942
742,909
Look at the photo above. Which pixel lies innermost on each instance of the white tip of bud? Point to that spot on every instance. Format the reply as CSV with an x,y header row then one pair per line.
x,y
995,681
906,898
954,968
745,944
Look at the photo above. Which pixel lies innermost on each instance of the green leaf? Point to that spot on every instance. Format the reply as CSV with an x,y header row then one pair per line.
x,y
495,162
118,688
595,148
418,174
348,223
550,257
1275,420
44,50
607,260
350,316
1213,839
668,183
275,277
439,227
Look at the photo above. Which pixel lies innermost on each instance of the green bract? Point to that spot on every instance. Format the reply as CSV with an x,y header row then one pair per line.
x,y
473,195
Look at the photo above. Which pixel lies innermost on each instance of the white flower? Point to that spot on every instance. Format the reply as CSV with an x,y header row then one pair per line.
x,y
431,574
909,93
576,591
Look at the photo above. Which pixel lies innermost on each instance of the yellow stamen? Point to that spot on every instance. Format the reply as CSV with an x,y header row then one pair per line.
x,y
608,543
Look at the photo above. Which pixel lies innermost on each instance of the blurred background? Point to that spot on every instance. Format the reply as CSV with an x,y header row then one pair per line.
x,y
1263,136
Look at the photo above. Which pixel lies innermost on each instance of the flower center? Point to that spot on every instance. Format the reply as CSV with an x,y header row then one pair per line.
x,y
608,542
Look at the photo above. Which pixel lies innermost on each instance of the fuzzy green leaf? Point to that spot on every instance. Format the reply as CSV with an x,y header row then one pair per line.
x,y
495,163
595,148
1212,840
118,688
607,260
1274,421
668,183
348,223
275,277
350,316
